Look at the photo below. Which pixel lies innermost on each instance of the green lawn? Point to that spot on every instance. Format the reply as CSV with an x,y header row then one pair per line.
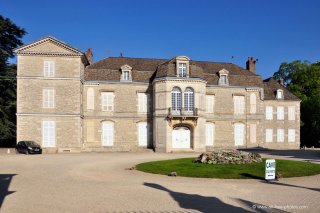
x,y
185,167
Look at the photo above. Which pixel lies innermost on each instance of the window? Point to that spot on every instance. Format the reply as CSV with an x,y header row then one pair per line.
x,y
223,77
269,135
188,100
210,129
107,99
291,135
48,69
269,112
280,113
223,80
176,99
280,94
209,103
291,113
238,134
90,99
253,103
143,133
280,135
253,133
107,133
142,102
126,73
48,134
238,105
182,70
48,98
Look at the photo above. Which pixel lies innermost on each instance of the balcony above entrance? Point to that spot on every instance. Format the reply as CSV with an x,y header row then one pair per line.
x,y
182,116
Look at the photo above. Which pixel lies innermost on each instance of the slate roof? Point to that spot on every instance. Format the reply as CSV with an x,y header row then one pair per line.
x,y
271,86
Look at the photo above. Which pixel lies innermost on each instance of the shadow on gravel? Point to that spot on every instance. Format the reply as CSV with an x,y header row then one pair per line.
x,y
197,202
309,155
285,184
5,180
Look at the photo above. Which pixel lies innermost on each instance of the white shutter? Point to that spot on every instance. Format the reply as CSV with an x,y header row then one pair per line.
x,y
48,134
107,99
291,113
239,134
269,135
291,135
48,68
269,113
142,102
253,133
210,129
280,113
107,134
90,99
143,133
209,103
238,104
48,98
280,135
253,103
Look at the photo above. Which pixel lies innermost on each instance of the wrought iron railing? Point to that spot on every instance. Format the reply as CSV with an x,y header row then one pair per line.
x,y
183,112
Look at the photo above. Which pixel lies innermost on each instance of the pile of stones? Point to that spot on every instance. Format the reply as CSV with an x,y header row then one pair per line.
x,y
228,157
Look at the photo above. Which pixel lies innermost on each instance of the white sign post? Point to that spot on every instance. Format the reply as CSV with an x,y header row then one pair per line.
x,y
270,169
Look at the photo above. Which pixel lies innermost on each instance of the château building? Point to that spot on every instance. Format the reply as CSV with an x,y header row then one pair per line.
x,y
65,102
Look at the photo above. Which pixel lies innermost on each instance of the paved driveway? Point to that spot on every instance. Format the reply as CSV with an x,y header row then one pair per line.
x,y
99,182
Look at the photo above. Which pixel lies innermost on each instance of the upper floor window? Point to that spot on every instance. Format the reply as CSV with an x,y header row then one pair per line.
x,y
238,105
280,135
107,101
90,99
176,99
126,71
48,69
269,135
253,103
291,113
280,94
280,113
210,103
223,77
182,70
189,100
269,113
48,98
142,102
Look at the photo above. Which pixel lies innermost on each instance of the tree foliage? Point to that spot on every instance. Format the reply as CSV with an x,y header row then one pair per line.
x,y
303,79
10,38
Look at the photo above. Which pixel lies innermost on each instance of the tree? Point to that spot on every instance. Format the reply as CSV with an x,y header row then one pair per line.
x,y
303,79
10,38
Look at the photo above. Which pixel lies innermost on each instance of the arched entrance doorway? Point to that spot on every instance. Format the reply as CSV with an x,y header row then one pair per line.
x,y
181,137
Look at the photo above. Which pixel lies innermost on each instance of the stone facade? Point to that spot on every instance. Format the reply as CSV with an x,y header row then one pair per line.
x,y
66,103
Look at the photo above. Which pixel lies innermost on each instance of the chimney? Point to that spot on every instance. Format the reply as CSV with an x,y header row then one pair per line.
x,y
251,65
90,55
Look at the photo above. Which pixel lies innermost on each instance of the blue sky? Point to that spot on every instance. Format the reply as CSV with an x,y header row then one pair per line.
x,y
272,31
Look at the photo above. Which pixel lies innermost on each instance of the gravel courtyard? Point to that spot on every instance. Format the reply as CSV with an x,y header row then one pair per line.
x,y
101,182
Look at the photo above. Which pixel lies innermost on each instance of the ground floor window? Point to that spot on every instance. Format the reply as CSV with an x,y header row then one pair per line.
x,y
239,134
253,133
280,135
48,134
291,135
269,135
107,134
210,128
143,133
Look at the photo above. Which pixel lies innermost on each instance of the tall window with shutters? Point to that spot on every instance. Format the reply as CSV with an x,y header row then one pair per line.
x,y
280,113
210,129
90,99
253,103
48,98
291,113
107,101
238,105
48,134
143,102
280,135
107,135
143,133
210,103
48,69
269,113
176,100
239,134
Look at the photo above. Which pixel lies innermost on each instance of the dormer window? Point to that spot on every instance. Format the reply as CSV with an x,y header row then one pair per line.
x,y
126,73
182,70
223,77
280,94
182,64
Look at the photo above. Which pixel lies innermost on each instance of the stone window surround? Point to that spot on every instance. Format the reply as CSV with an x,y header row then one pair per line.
x,y
126,71
184,60
280,95
224,73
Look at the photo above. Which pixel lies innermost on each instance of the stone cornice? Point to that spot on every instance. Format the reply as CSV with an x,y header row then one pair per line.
x,y
179,80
